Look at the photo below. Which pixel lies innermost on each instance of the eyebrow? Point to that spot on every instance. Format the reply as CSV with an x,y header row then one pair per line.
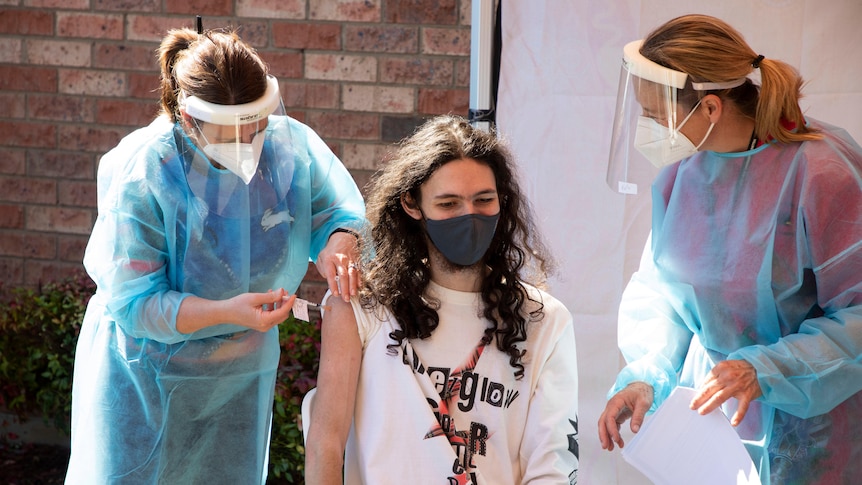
x,y
458,196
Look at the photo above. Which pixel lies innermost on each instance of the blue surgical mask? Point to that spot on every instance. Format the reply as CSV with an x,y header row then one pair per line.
x,y
464,239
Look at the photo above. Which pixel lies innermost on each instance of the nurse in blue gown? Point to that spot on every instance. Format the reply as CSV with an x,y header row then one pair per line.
x,y
207,220
750,286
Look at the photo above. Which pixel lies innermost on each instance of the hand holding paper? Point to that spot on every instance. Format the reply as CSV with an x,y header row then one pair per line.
x,y
676,445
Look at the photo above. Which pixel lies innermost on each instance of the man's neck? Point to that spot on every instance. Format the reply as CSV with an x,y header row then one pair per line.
x,y
468,280
453,277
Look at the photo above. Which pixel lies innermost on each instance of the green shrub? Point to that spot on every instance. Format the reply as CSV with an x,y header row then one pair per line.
x,y
297,374
38,332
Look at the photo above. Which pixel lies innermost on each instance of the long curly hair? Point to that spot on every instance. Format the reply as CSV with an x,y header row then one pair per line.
x,y
396,262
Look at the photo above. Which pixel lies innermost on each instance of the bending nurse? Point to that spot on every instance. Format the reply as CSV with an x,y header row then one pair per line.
x,y
750,286
207,219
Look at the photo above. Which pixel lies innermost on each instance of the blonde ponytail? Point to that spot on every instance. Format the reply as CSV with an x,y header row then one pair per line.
x,y
710,50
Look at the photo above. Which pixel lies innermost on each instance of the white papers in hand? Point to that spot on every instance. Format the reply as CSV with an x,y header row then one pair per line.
x,y
676,445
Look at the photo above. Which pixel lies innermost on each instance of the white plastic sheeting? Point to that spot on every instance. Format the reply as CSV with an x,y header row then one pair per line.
x,y
559,74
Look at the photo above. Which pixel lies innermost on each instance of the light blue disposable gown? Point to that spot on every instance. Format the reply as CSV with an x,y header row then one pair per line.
x,y
152,405
758,256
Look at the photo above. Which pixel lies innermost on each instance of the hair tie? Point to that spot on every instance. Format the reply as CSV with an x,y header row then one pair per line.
x,y
756,63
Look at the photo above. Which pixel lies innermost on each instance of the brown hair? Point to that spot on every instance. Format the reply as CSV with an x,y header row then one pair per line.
x,y
710,50
216,66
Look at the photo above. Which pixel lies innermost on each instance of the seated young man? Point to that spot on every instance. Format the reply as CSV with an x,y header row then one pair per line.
x,y
450,365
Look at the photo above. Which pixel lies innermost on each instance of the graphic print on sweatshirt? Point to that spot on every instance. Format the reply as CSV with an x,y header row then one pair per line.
x,y
460,387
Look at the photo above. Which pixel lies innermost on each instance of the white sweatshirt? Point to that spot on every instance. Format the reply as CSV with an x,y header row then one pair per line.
x,y
494,429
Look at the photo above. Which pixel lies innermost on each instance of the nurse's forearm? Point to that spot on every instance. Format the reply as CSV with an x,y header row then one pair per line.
x,y
197,313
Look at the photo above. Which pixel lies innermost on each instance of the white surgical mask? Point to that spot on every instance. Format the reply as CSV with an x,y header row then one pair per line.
x,y
663,146
240,158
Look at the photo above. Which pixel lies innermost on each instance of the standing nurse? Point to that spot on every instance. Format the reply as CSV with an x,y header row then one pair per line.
x,y
750,287
207,220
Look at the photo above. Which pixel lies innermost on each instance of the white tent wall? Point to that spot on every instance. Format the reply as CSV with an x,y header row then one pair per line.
x,y
560,69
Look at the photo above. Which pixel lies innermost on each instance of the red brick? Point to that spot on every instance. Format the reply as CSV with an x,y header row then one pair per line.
x,y
154,27
71,248
12,270
24,134
392,39
297,115
465,13
61,164
335,146
284,64
60,108
444,12
462,72
11,216
253,32
310,95
12,161
396,128
26,22
28,244
144,85
305,35
13,105
344,125
345,10
416,70
126,57
59,219
446,41
32,79
128,5
377,98
271,9
92,82
130,113
211,8
59,4
32,190
59,53
442,101
312,275
89,26
365,156
38,272
11,51
90,139
77,193
362,179
336,67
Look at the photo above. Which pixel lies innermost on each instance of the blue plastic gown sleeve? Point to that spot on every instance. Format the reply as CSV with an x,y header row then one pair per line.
x,y
651,335
335,199
133,274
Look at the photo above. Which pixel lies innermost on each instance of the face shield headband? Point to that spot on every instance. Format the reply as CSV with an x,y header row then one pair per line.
x,y
646,133
236,123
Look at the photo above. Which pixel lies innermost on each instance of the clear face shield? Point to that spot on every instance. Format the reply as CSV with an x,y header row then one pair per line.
x,y
649,114
232,136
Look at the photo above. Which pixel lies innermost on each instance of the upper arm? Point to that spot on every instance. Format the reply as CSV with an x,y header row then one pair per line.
x,y
338,375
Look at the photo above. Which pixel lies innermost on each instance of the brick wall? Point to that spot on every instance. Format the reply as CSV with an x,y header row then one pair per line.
x,y
78,75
